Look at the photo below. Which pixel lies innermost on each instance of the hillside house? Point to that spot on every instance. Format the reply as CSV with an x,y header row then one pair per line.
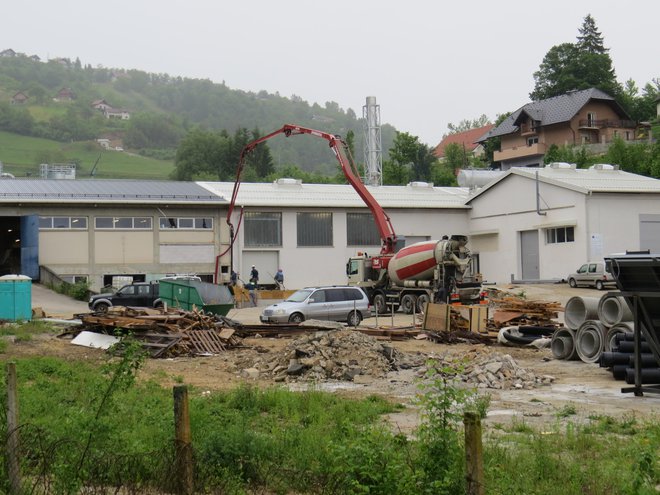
x,y
19,98
64,94
589,117
101,105
116,113
8,53
467,140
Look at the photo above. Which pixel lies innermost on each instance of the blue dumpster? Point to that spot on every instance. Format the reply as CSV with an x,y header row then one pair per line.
x,y
15,297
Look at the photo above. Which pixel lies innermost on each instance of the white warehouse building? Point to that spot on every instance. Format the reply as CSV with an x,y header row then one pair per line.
x,y
525,225
542,224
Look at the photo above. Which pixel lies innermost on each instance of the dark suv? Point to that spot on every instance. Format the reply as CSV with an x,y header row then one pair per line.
x,y
143,294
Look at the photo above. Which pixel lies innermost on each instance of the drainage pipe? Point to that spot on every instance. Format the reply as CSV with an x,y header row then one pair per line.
x,y
609,359
619,371
580,309
629,346
563,344
649,375
617,333
613,309
648,360
590,341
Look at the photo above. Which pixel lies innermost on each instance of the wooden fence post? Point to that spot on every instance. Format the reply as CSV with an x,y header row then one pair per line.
x,y
474,459
183,442
13,444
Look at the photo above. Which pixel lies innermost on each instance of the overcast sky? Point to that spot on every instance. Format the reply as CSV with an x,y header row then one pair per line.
x,y
428,63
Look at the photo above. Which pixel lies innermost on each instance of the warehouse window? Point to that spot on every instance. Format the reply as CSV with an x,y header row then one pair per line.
x,y
361,230
186,223
123,223
69,223
314,229
560,234
263,229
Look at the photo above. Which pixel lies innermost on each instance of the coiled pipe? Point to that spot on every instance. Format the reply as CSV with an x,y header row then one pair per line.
x,y
580,309
590,341
613,310
562,344
617,333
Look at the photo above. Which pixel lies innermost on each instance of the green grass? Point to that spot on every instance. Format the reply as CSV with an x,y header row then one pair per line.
x,y
20,156
24,331
252,440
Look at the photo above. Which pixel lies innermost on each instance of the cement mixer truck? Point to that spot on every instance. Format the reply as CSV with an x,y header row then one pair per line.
x,y
398,277
429,271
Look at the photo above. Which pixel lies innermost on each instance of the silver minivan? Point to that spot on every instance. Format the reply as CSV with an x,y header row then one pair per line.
x,y
335,303
592,274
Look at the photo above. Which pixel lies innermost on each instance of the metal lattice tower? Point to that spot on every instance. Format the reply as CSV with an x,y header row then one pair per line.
x,y
373,154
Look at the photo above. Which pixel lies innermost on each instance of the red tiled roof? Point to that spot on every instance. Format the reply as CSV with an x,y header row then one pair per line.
x,y
466,139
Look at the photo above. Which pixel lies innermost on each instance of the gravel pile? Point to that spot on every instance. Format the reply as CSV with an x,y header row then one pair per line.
x,y
500,371
333,355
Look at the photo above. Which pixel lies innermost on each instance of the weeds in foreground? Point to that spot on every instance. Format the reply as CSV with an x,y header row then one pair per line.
x,y
252,440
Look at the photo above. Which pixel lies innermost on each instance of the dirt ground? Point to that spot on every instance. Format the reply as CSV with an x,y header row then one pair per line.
x,y
587,388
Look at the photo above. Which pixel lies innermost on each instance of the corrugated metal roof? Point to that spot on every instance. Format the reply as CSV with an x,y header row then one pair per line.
x,y
104,191
553,110
297,194
585,181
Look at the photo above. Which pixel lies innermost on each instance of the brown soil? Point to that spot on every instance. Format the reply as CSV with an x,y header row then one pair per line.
x,y
587,388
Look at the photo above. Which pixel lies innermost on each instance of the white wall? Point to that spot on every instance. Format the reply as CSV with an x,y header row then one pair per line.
x,y
502,212
615,218
308,266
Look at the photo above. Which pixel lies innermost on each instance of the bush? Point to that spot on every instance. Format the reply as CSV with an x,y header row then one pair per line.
x,y
79,290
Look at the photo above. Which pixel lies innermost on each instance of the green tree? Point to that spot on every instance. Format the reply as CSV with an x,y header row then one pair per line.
x,y
261,159
576,66
201,154
455,157
409,160
467,124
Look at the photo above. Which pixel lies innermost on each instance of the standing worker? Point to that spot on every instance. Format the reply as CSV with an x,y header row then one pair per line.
x,y
252,292
279,278
254,276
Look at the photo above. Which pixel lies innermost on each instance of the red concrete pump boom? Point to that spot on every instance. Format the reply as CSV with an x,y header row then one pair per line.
x,y
342,152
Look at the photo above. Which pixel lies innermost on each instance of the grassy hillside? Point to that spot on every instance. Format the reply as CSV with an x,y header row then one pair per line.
x,y
21,156
163,110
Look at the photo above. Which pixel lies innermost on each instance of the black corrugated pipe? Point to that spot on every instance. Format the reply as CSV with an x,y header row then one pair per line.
x,y
627,337
629,346
648,360
649,375
608,359
619,371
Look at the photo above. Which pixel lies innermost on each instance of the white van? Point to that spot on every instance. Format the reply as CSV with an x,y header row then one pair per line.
x,y
592,274
335,303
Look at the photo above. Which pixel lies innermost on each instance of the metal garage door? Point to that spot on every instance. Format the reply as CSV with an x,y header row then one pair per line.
x,y
529,254
649,232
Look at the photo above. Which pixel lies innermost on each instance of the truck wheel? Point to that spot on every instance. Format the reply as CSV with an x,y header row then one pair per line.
x,y
408,303
101,307
380,304
422,299
572,282
599,285
354,318
296,318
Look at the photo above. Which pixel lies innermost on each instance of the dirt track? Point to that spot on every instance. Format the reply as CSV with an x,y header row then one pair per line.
x,y
591,390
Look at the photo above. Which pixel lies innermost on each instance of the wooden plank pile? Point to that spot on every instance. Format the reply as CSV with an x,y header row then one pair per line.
x,y
170,333
509,309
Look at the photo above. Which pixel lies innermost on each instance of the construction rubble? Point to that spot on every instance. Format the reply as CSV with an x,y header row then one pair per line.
x,y
332,355
348,355
162,333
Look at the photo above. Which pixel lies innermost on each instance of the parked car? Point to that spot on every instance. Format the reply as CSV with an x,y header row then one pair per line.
x,y
592,274
143,294
335,303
